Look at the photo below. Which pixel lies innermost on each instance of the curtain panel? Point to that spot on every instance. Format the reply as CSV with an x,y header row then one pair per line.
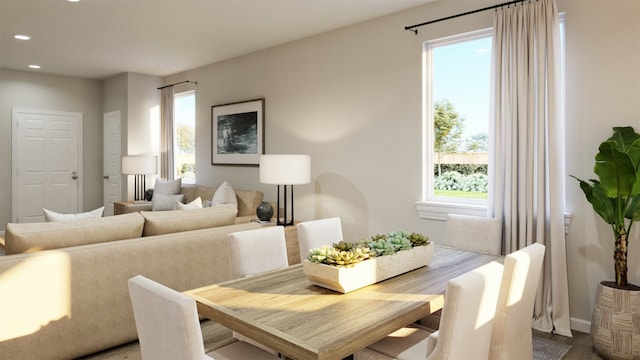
x,y
527,170
166,133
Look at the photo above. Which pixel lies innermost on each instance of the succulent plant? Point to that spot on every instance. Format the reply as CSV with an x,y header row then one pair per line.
x,y
346,253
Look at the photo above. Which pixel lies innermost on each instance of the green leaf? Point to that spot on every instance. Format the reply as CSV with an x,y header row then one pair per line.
x,y
615,170
601,203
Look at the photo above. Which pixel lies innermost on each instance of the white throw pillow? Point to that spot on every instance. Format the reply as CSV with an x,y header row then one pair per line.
x,y
224,195
52,216
195,204
168,187
162,202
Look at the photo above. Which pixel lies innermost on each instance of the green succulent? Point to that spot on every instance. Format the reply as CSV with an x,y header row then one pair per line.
x,y
346,253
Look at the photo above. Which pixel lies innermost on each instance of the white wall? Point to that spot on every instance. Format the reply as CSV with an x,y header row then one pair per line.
x,y
351,99
52,92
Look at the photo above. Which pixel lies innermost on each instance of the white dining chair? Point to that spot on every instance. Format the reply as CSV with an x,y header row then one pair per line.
x,y
469,233
254,252
511,335
465,333
168,326
474,233
316,233
258,251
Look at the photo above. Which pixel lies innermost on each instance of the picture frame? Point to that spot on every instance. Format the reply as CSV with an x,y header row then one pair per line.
x,y
237,133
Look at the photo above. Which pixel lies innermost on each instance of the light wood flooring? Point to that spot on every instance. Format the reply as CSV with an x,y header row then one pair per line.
x,y
216,336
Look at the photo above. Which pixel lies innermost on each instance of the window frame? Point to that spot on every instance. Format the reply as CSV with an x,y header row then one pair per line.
x,y
432,206
176,96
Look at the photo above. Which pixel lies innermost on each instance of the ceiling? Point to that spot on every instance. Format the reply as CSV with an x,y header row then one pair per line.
x,y
100,38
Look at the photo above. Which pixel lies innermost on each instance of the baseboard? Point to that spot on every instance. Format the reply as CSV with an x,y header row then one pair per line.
x,y
581,325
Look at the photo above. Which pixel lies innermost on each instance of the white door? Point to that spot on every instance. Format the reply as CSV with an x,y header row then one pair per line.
x,y
47,163
112,155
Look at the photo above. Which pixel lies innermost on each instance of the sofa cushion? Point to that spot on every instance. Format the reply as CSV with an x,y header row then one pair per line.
x,y
52,216
248,200
166,222
30,237
167,187
195,204
162,202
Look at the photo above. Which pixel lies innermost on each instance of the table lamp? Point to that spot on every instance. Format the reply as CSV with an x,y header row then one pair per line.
x,y
139,166
285,170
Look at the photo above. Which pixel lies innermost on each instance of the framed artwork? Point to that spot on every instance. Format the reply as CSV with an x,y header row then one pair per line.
x,y
237,133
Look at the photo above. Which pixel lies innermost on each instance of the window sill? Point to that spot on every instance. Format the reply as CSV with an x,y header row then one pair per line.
x,y
434,210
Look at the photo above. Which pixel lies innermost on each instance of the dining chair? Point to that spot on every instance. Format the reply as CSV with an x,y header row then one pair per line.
x,y
316,233
469,233
474,233
465,333
511,335
254,252
257,251
168,326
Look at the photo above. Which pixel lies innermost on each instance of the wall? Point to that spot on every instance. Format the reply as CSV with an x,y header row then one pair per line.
x,y
351,99
52,92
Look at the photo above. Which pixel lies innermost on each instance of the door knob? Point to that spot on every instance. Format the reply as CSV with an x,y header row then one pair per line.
x,y
74,175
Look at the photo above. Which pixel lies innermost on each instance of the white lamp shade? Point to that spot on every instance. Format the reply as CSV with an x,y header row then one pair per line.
x,y
285,169
139,165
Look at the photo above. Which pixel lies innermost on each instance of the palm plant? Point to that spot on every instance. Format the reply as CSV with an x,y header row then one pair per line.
x,y
615,196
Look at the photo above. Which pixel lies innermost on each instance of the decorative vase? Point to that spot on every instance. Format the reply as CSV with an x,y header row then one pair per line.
x,y
615,333
367,272
264,211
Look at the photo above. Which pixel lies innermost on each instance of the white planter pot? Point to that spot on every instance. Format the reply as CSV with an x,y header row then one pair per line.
x,y
371,271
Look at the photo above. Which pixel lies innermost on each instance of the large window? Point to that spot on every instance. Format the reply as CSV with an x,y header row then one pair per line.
x,y
457,86
184,152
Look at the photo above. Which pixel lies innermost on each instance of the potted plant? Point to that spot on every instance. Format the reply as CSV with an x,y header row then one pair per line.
x,y
615,197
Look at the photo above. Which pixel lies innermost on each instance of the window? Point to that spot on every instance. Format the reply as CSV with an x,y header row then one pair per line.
x,y
184,136
456,110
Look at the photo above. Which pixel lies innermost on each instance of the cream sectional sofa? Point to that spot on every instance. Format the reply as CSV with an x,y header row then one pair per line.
x,y
248,201
63,286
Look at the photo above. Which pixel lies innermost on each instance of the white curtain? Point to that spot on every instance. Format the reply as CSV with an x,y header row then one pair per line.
x,y
166,133
528,169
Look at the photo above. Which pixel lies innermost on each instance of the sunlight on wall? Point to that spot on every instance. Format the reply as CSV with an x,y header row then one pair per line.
x,y
29,282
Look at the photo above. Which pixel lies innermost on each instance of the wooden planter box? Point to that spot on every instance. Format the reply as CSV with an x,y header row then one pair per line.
x,y
371,271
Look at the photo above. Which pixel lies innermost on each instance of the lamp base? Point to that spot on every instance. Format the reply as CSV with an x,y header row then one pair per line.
x,y
283,221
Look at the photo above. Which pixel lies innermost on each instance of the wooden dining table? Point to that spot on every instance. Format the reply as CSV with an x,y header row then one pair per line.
x,y
284,311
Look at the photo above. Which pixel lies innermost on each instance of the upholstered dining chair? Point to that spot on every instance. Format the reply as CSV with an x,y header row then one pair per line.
x,y
254,252
474,233
511,335
316,233
465,333
257,251
168,326
469,233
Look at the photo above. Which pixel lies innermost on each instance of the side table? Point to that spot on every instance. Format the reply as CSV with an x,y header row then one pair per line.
x,y
124,207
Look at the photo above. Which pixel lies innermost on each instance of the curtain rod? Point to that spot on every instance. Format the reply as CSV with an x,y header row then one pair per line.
x,y
415,31
181,82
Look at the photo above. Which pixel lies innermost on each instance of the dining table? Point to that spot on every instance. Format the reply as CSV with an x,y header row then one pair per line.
x,y
284,311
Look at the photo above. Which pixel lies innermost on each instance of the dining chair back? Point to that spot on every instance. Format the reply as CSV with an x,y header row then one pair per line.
x,y
316,233
257,251
474,233
465,332
168,326
511,335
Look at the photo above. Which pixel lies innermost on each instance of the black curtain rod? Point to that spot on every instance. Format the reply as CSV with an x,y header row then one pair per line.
x,y
415,31
181,82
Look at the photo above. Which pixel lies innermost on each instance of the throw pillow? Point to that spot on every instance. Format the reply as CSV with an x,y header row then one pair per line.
x,y
224,195
195,204
168,187
162,202
52,216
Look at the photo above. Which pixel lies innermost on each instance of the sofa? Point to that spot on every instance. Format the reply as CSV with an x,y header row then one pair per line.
x,y
64,288
248,201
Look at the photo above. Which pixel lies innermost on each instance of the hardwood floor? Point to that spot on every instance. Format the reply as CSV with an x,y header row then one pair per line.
x,y
216,336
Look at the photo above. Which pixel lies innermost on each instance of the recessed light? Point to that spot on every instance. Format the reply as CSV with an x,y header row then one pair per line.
x,y
22,37
34,66
73,0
